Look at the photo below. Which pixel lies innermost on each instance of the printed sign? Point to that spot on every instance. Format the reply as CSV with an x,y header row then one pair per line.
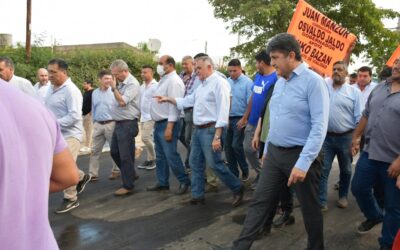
x,y
322,41
393,58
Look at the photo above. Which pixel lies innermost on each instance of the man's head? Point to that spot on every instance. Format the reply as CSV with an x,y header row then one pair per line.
x,y
234,68
353,78
197,56
187,65
263,62
364,76
204,67
166,65
42,76
147,73
119,70
284,51
58,71
339,72
105,79
87,84
385,73
6,68
396,71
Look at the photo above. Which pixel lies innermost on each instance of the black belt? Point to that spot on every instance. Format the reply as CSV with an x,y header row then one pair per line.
x,y
161,121
123,121
340,134
235,117
188,110
207,125
288,148
105,122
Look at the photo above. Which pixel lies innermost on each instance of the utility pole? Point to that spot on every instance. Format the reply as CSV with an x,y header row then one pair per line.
x,y
205,48
28,31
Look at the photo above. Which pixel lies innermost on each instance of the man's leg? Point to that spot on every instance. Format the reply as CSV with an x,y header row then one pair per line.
x,y
98,142
197,161
391,218
73,145
237,144
229,152
147,138
345,159
162,168
188,134
329,154
108,133
251,154
263,204
365,175
88,127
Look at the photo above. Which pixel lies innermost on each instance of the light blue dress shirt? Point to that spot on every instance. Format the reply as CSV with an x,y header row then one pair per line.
x,y
102,104
66,104
299,111
241,90
345,108
210,101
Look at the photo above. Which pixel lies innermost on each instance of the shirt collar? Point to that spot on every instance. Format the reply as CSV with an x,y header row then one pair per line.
x,y
65,84
300,69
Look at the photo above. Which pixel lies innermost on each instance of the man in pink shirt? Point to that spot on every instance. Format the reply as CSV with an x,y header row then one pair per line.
x,y
34,159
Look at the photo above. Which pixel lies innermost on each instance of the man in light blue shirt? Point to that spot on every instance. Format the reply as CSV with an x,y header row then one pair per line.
x,y
241,90
64,99
299,110
210,104
103,123
344,115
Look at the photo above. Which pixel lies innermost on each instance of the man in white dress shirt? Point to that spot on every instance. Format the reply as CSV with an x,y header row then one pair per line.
x,y
7,74
43,84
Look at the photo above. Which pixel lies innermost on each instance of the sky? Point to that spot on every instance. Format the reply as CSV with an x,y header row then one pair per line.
x,y
183,26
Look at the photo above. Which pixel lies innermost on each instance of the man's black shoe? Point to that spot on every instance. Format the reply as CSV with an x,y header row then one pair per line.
x,y
238,197
157,187
183,188
367,225
284,219
82,183
196,201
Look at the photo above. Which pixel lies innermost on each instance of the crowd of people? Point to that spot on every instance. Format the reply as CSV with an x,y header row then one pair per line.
x,y
288,125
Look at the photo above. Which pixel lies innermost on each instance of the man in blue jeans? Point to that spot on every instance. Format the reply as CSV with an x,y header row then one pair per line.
x,y
167,128
380,159
241,86
344,114
210,104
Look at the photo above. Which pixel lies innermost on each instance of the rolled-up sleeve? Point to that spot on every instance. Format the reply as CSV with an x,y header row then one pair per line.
x,y
319,111
222,96
130,93
185,102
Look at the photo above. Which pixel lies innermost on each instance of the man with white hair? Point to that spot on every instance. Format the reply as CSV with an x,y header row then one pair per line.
x,y
125,112
210,104
7,74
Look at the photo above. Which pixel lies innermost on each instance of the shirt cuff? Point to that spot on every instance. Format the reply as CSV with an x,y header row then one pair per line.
x,y
303,164
221,124
172,118
179,103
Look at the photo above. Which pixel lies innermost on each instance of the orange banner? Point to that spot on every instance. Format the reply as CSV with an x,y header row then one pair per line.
x,y
322,41
396,54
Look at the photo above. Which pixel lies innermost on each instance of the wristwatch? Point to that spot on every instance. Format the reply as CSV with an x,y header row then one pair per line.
x,y
217,137
113,89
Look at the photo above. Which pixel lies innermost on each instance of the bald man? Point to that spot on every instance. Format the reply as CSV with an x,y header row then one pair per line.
x,y
43,84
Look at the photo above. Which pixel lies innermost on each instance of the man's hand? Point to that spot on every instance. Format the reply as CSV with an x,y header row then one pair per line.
x,y
113,83
216,145
297,175
394,168
168,134
355,147
241,123
255,143
161,99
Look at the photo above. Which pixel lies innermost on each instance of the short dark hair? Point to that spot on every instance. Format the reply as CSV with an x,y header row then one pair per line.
x,y
104,72
170,60
61,63
89,81
342,63
262,56
365,69
385,73
7,61
147,66
235,62
200,55
353,75
284,43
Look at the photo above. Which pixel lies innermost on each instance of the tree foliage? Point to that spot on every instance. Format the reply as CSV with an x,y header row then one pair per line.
x,y
259,20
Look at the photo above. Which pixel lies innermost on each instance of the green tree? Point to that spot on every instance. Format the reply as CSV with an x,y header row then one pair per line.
x,y
259,20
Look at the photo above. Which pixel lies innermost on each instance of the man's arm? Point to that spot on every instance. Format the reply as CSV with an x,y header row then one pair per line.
x,y
355,142
64,173
243,121
74,105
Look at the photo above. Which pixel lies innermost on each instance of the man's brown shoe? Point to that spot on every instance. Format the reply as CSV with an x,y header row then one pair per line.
x,y
114,175
123,191
238,197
